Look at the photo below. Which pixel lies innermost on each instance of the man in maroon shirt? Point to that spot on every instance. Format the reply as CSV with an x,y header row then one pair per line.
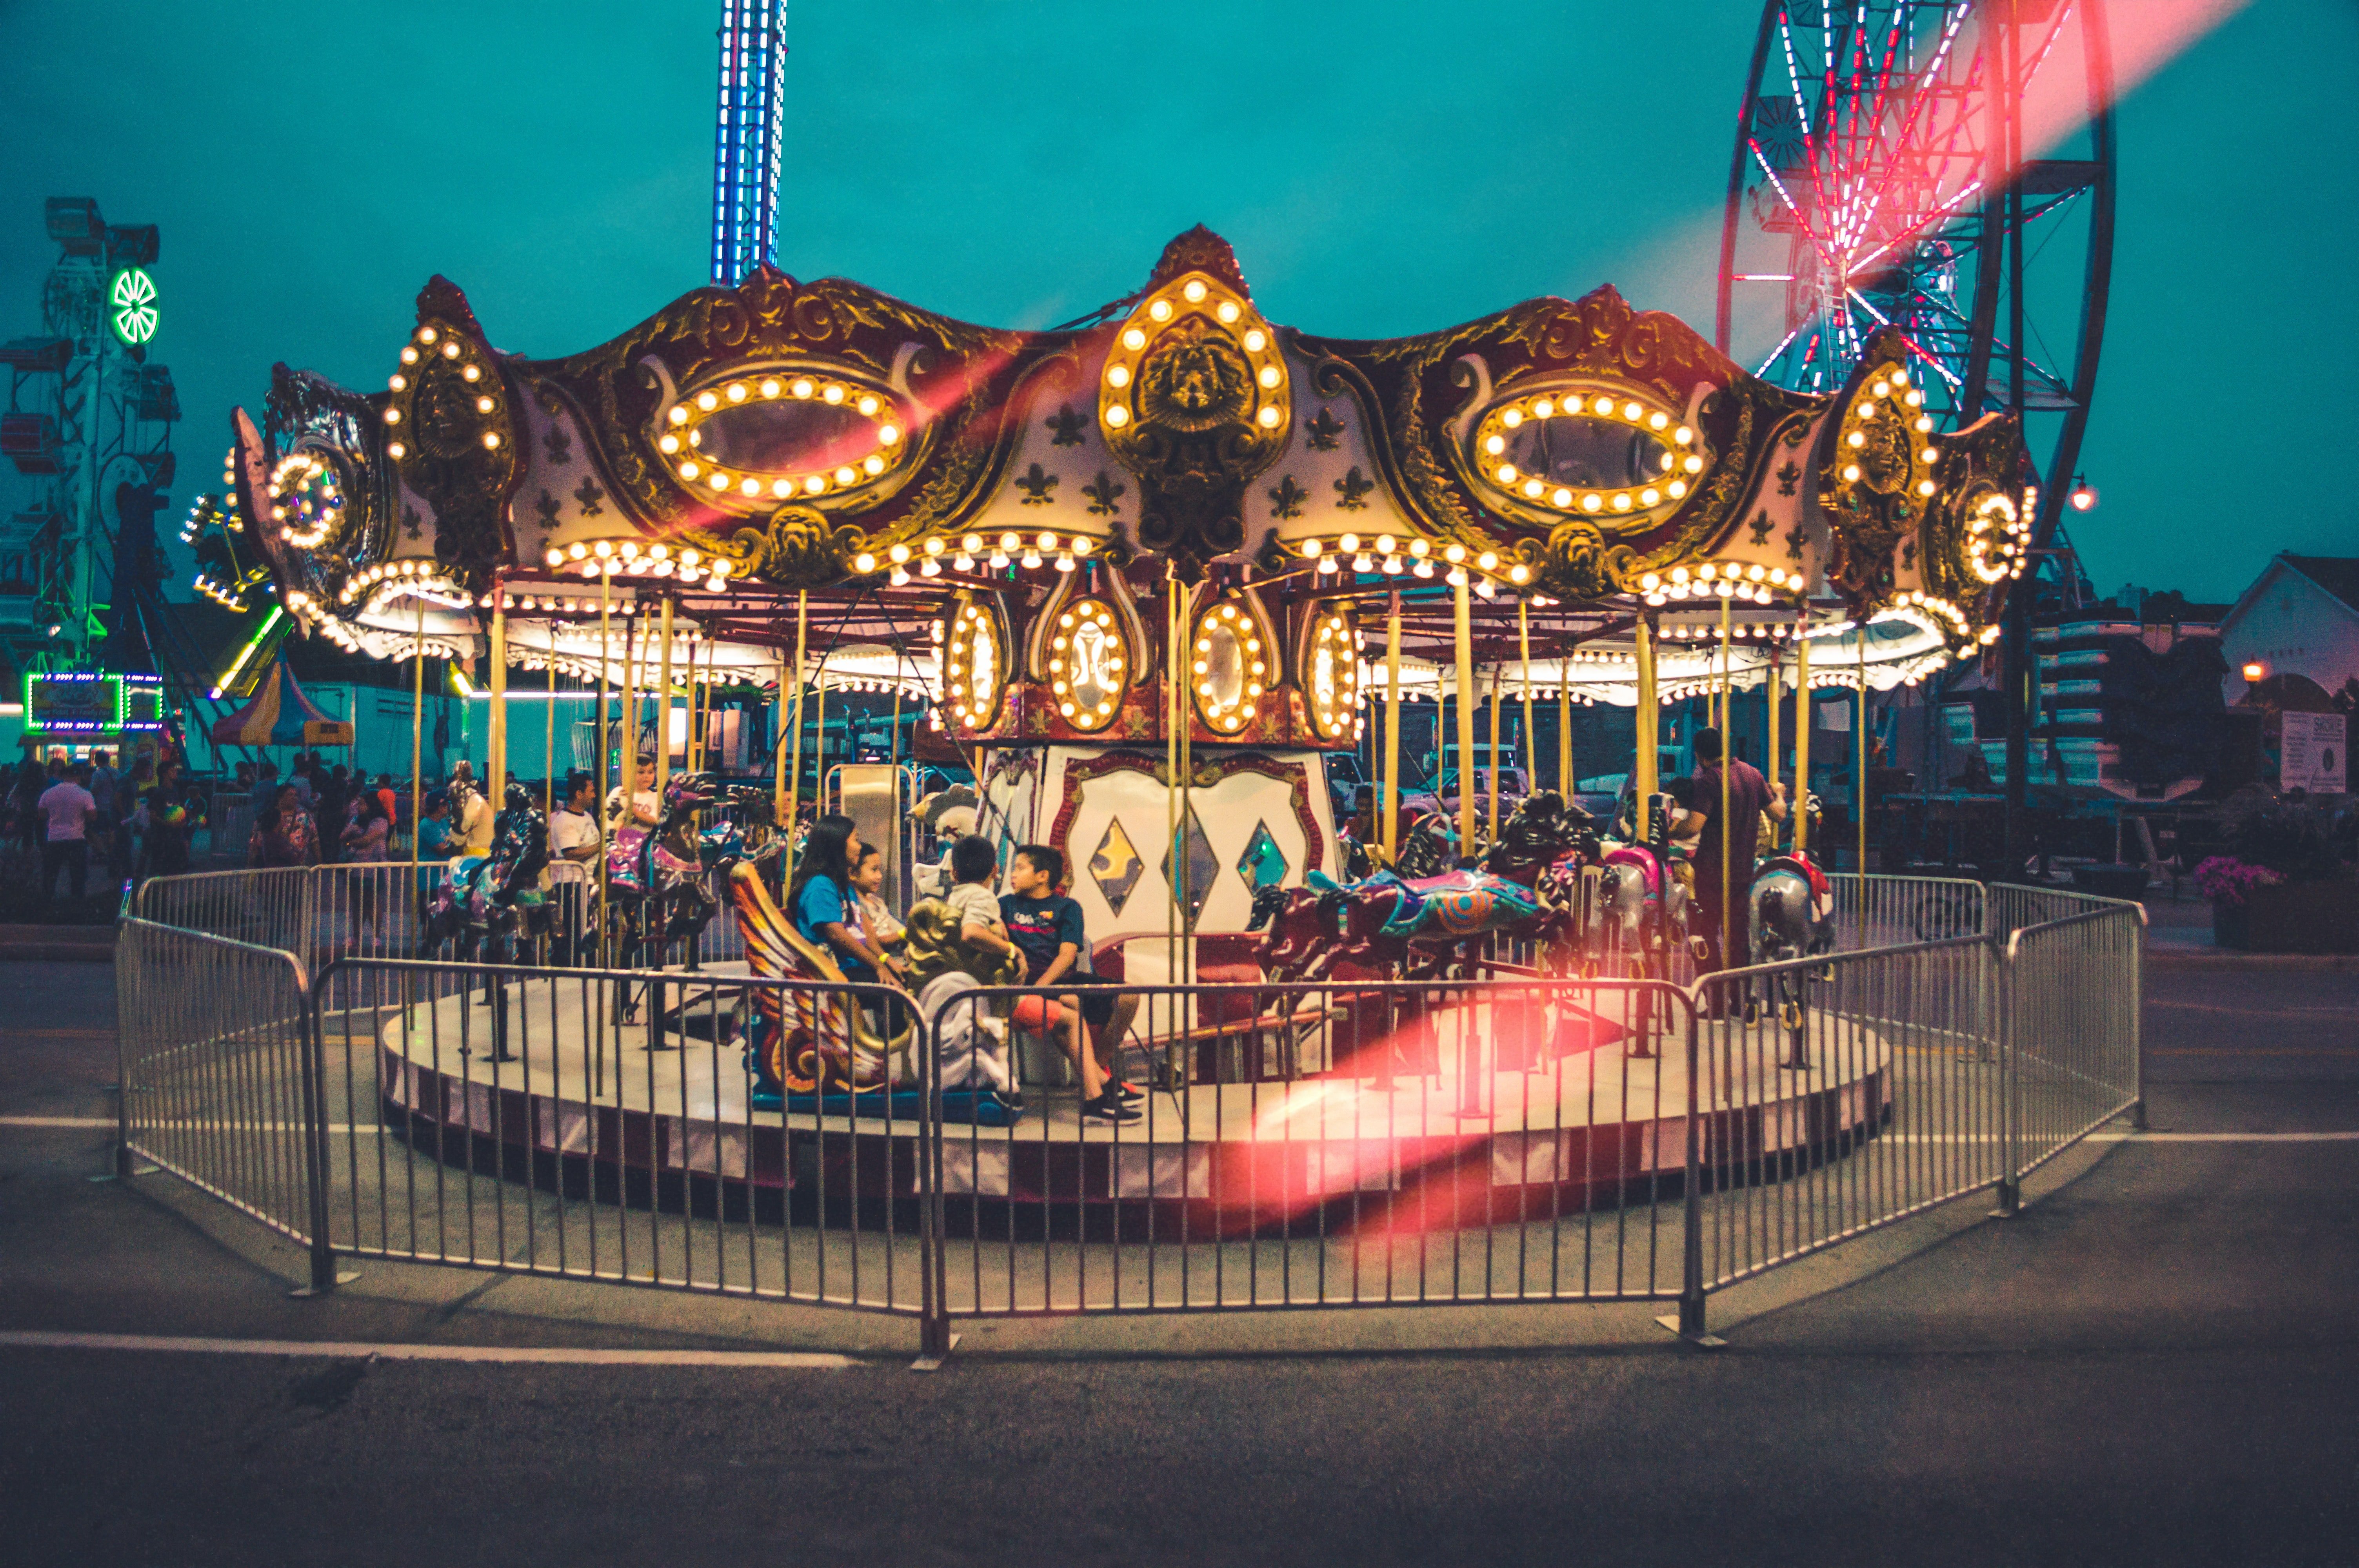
x,y
1721,917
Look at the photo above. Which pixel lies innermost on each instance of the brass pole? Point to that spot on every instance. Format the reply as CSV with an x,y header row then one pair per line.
x,y
1803,718
663,701
605,679
1461,578
795,773
1524,645
417,733
1859,790
1392,729
819,735
627,710
549,742
1777,756
1173,663
1498,673
1727,828
1642,773
1566,782
496,741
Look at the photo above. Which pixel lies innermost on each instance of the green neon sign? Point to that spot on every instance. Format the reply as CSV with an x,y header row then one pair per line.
x,y
131,300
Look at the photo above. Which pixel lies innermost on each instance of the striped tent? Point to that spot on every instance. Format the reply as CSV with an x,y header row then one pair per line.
x,y
281,715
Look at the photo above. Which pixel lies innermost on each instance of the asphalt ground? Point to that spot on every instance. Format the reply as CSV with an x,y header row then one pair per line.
x,y
2154,1363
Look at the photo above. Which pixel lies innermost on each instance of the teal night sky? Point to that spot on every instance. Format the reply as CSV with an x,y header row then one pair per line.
x,y
1381,168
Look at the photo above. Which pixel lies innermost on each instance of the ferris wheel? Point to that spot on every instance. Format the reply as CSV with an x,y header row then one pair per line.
x,y
1869,189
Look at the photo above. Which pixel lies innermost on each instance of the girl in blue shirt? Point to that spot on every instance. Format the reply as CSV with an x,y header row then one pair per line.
x,y
824,908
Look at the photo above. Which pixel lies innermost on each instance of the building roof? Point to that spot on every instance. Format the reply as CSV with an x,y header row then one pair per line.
x,y
2338,575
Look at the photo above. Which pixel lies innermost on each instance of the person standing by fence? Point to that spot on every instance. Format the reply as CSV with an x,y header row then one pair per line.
x,y
283,836
67,809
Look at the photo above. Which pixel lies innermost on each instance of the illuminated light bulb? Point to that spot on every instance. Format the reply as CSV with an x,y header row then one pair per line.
x,y
1386,543
408,356
1706,572
1507,473
1009,541
1882,389
1926,487
1134,339
1532,489
1512,417
1648,496
397,381
1031,557
899,577
1851,472
1269,418
483,406
1227,312
1422,568
1916,399
688,558
576,550
491,440
874,464
736,391
1857,437
1348,543
603,547
770,386
750,487
832,394
669,444
1117,415
450,350
1454,554
847,476
392,415
718,480
1326,565
1683,435
1622,501
1457,577
1364,562
782,486
998,561
803,387
1392,566
396,450
1678,487
1601,405
1488,560
962,561
1271,375
1930,454
1562,498
1633,412
1160,310
630,549
1256,341
1543,409
1755,573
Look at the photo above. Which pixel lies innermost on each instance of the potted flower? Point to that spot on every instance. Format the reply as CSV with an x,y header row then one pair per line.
x,y
2281,888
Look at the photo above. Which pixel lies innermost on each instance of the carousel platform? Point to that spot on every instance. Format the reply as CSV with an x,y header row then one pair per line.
x,y
1490,1116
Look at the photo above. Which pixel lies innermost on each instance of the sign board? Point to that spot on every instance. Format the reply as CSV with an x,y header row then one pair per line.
x,y
2311,753
82,704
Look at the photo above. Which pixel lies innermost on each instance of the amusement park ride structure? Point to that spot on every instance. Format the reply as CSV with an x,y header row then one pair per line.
x,y
87,409
1179,548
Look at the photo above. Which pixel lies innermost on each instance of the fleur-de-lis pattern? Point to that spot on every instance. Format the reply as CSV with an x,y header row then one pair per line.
x,y
1794,543
1287,498
1105,493
1325,432
548,507
1067,426
1788,477
590,495
1761,527
1351,491
410,522
1036,486
559,443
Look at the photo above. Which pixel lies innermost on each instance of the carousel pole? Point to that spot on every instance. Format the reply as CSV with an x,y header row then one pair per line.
x,y
1802,716
1859,792
819,735
1776,755
1524,647
1187,811
663,701
795,773
1642,772
1392,729
1567,784
1171,708
549,743
1727,828
1459,579
627,710
417,732
605,679
1498,676
497,745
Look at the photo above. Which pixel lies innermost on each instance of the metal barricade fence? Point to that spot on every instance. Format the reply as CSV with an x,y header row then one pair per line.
x,y
2014,906
2073,1032
229,829
212,1036
600,1124
1846,1092
1307,1145
1490,1139
1873,911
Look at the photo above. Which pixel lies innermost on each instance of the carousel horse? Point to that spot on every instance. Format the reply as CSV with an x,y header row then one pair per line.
x,y
657,887
1792,917
492,904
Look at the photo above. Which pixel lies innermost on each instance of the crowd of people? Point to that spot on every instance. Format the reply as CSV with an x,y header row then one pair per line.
x,y
91,821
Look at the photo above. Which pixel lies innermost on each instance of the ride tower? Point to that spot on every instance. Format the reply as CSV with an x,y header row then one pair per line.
x,y
746,141
89,422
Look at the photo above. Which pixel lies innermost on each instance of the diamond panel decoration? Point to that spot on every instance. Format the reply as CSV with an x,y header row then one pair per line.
x,y
1116,866
1202,869
1263,864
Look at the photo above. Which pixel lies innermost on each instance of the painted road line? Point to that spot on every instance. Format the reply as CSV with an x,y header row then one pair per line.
x,y
351,1350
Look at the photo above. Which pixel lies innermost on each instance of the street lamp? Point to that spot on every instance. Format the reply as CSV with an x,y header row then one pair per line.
x,y
2083,495
2255,672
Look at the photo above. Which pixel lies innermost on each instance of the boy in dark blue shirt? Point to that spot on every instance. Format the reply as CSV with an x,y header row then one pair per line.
x,y
1046,927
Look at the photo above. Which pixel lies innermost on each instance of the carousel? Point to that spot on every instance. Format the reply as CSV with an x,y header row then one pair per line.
x,y
1151,580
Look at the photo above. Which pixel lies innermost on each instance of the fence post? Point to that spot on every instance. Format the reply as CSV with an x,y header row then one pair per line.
x,y
1689,1323
324,1278
935,1340
126,950
2010,1078
2137,1020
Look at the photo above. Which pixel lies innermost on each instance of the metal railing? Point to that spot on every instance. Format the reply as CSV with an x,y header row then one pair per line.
x,y
1487,1139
